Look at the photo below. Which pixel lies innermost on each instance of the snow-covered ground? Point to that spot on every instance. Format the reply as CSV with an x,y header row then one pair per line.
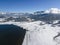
x,y
38,34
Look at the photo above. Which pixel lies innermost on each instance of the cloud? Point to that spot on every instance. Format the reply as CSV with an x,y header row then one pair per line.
x,y
53,10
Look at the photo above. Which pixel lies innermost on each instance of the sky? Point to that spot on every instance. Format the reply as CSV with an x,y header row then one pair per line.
x,y
27,5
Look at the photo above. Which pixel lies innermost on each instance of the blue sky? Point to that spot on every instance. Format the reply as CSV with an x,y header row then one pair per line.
x,y
27,5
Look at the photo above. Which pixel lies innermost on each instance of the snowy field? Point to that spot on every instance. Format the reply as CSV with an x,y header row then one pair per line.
x,y
38,34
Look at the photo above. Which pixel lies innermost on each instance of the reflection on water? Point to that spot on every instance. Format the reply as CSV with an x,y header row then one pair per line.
x,y
11,35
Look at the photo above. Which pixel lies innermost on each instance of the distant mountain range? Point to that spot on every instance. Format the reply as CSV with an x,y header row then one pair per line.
x,y
47,15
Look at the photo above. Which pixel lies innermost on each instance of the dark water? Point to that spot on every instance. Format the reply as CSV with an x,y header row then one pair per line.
x,y
11,35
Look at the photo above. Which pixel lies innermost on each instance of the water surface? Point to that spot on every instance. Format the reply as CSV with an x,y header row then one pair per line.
x,y
11,35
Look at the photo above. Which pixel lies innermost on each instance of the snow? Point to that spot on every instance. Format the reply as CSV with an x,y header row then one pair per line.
x,y
2,19
40,35
37,34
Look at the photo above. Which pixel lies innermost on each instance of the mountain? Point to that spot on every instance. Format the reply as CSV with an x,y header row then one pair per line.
x,y
39,33
43,28
49,15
